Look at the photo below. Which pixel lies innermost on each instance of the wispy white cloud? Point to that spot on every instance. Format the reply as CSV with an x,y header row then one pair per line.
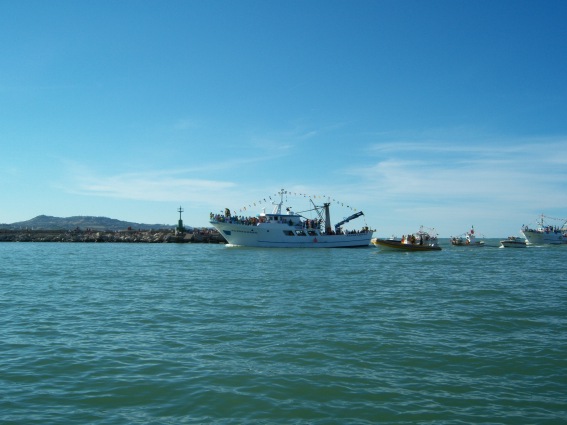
x,y
11,171
308,135
203,183
497,180
497,171
186,124
461,145
144,187
157,186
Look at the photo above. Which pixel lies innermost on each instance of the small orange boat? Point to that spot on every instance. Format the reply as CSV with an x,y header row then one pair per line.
x,y
419,241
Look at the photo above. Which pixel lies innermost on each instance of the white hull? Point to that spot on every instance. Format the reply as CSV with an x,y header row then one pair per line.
x,y
276,235
513,242
546,234
540,237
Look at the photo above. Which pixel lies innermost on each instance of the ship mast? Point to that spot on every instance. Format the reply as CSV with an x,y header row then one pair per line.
x,y
278,207
327,218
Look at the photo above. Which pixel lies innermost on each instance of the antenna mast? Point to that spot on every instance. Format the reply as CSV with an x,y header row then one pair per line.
x,y
180,227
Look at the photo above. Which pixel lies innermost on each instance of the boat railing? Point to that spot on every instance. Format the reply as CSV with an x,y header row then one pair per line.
x,y
304,224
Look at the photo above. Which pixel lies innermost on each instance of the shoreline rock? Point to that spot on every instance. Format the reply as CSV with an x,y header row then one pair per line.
x,y
123,236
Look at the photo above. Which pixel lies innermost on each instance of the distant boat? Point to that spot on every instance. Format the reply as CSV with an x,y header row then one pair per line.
x,y
283,228
546,234
513,242
421,240
467,239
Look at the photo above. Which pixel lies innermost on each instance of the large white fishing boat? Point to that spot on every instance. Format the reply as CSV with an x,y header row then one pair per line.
x,y
546,234
287,229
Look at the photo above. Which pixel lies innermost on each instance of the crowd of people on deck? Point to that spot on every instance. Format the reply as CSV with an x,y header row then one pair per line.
x,y
412,239
308,224
250,221
546,229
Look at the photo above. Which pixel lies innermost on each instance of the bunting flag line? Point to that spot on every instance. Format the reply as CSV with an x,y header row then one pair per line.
x,y
269,200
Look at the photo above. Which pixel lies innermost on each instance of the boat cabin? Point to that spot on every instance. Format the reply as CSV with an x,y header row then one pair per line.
x,y
291,219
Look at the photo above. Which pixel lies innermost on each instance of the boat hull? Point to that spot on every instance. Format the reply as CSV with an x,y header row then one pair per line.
x,y
513,244
538,237
398,245
470,245
284,236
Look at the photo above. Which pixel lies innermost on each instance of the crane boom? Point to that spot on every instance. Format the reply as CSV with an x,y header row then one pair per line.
x,y
349,218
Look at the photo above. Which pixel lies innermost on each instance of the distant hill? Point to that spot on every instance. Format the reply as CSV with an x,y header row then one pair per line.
x,y
45,222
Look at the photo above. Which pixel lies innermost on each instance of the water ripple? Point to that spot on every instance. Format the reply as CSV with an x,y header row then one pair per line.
x,y
182,334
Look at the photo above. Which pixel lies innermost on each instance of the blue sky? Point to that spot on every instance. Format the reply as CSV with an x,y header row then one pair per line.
x,y
442,113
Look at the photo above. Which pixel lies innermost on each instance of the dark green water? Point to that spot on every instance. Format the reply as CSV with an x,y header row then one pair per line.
x,y
191,334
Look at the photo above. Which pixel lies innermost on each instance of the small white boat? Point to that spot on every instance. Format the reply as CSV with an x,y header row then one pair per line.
x,y
422,240
467,239
284,228
546,234
513,242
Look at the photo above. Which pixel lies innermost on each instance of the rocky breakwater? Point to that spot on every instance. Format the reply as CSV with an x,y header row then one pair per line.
x,y
126,236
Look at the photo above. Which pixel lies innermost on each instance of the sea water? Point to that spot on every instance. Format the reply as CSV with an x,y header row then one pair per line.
x,y
210,334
